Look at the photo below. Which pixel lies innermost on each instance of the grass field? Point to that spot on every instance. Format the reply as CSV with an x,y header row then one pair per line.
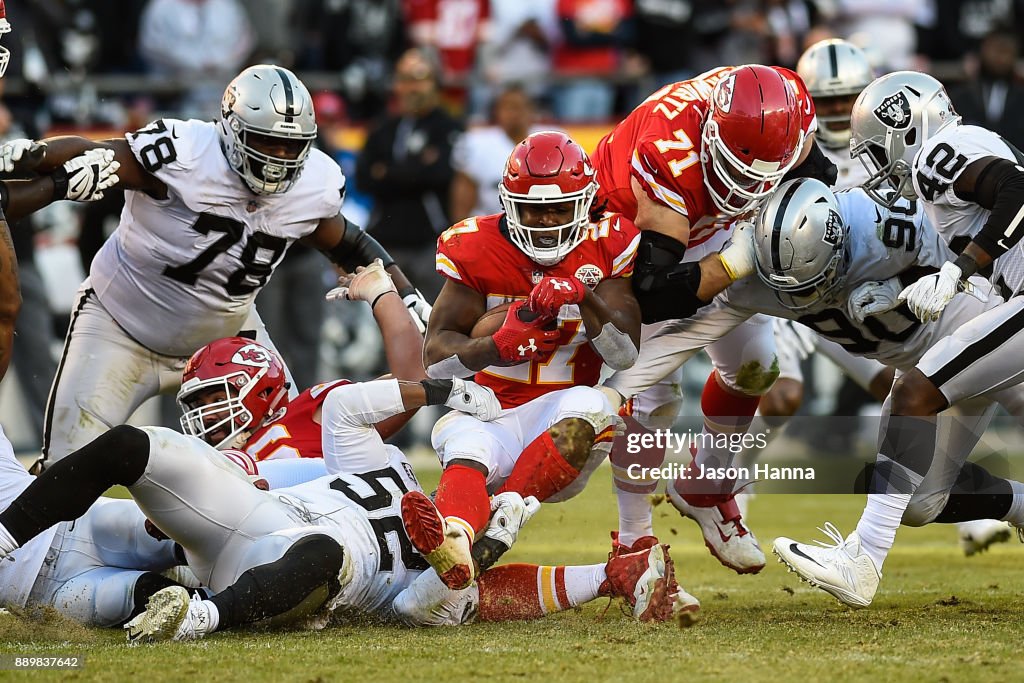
x,y
938,617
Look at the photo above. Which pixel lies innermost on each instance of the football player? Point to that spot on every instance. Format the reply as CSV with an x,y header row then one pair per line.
x,y
559,257
689,161
211,208
58,566
971,183
334,544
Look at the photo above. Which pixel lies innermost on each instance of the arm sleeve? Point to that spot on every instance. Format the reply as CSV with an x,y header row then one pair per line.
x,y
1000,188
350,441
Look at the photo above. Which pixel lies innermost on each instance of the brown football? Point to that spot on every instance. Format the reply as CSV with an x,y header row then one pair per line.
x,y
490,321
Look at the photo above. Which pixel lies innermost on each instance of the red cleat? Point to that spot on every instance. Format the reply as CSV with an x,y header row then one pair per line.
x,y
447,547
646,580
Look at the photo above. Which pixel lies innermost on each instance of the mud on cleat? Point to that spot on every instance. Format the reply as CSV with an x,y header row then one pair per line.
x,y
445,545
170,615
646,580
642,543
722,526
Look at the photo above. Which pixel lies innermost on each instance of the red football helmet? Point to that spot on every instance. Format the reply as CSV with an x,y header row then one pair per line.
x,y
548,167
252,378
5,27
751,138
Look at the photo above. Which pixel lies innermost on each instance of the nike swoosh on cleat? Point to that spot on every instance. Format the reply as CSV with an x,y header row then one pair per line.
x,y
793,548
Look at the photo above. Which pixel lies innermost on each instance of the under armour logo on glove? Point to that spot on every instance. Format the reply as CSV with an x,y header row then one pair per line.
x,y
531,346
550,294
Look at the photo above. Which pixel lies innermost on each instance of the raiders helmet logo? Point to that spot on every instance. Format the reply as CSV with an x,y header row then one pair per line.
x,y
724,92
230,97
251,355
833,229
894,111
590,275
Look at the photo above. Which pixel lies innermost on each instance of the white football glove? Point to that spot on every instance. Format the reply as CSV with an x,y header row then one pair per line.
x,y
738,253
509,513
795,337
473,399
88,175
419,309
12,151
368,283
928,296
872,298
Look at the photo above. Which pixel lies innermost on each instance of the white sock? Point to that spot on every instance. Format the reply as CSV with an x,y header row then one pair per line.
x,y
7,543
1015,515
879,522
636,518
583,583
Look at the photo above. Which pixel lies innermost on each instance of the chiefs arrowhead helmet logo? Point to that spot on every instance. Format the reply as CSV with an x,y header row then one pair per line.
x,y
724,92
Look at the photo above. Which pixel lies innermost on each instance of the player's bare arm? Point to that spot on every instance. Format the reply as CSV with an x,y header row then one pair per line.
x,y
997,185
349,246
131,173
457,309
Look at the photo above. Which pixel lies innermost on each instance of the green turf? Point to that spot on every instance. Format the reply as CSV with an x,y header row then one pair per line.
x,y
938,617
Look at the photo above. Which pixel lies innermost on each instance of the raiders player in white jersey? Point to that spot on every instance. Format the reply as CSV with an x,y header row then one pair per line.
x,y
210,209
971,184
855,258
834,71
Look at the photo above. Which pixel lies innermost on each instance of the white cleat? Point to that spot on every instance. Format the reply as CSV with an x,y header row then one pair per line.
x,y
170,615
842,570
978,535
729,540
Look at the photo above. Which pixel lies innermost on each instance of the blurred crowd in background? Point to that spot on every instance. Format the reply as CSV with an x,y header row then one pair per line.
x,y
420,101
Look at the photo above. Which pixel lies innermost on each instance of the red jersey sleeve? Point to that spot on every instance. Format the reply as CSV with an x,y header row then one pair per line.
x,y
464,254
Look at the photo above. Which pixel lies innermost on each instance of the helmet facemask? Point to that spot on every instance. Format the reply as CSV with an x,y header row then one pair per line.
x,y
265,173
227,413
531,240
886,172
736,187
801,296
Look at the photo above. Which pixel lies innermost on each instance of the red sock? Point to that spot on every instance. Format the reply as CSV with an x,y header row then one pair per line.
x,y
726,410
462,493
540,471
525,591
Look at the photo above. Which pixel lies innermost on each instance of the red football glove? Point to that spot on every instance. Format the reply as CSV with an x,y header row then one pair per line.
x,y
551,293
519,341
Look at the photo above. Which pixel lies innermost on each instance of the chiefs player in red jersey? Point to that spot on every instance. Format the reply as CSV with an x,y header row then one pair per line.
x,y
553,253
693,159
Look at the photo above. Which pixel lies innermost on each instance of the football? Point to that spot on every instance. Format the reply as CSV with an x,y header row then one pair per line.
x,y
490,321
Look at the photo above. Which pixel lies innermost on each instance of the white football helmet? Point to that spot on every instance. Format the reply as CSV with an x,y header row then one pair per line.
x,y
834,69
267,106
799,243
891,121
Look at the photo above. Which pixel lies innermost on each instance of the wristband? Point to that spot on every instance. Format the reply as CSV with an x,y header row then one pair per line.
x,y
60,183
437,390
967,266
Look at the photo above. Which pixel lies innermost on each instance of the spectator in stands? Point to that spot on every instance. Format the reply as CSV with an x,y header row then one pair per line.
x,y
595,34
665,38
884,27
454,29
993,96
405,166
480,154
202,43
517,50
960,25
361,39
